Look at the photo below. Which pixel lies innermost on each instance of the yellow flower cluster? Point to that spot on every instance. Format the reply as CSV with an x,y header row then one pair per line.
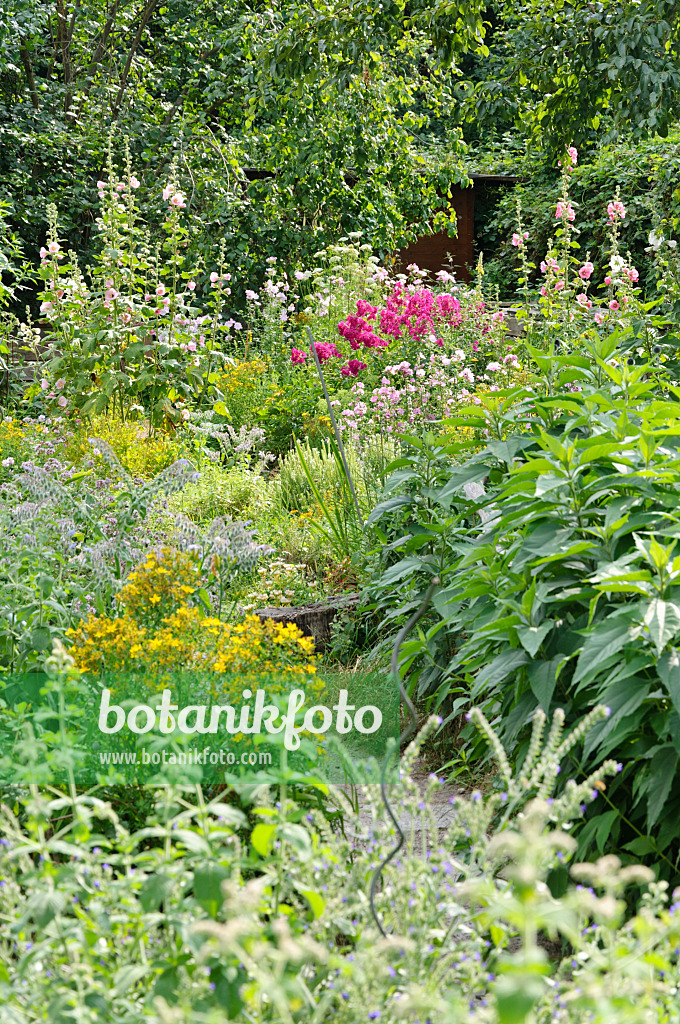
x,y
187,640
13,443
241,376
161,584
159,631
140,455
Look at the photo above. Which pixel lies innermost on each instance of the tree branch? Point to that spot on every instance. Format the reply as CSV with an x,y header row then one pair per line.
x,y
146,14
97,55
64,44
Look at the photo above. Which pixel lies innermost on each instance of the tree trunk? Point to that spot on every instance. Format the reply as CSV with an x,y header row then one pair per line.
x,y
30,78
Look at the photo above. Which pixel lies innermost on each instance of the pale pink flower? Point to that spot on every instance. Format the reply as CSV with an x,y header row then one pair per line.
x,y
607,279
192,346
544,266
599,317
616,209
126,317
120,187
44,384
46,306
63,401
632,274
516,240
134,182
559,285
53,247
214,277
585,272
160,289
564,210
168,191
191,285
101,185
584,301
573,153
178,200
613,305
544,290
111,294
60,384
43,253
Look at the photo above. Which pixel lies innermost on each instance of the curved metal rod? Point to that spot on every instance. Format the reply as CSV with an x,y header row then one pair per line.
x,y
410,728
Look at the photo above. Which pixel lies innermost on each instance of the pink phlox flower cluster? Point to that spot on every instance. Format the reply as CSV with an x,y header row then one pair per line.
x,y
354,366
358,332
616,209
297,357
326,350
366,310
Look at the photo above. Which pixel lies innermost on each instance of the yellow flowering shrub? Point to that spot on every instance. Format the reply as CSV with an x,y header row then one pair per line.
x,y
241,376
187,640
140,455
14,443
245,386
160,585
159,631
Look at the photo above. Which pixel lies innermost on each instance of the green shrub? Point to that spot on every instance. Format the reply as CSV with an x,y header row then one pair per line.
x,y
559,586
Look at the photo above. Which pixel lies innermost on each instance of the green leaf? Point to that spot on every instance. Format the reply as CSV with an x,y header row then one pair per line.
x,y
662,619
668,667
155,891
208,880
606,638
662,770
543,679
262,837
531,637
316,902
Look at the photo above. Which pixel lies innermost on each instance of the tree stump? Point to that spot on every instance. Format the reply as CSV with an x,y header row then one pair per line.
x,y
313,620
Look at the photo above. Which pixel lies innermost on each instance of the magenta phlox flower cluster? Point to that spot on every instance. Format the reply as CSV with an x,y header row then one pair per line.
x,y
352,369
358,332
